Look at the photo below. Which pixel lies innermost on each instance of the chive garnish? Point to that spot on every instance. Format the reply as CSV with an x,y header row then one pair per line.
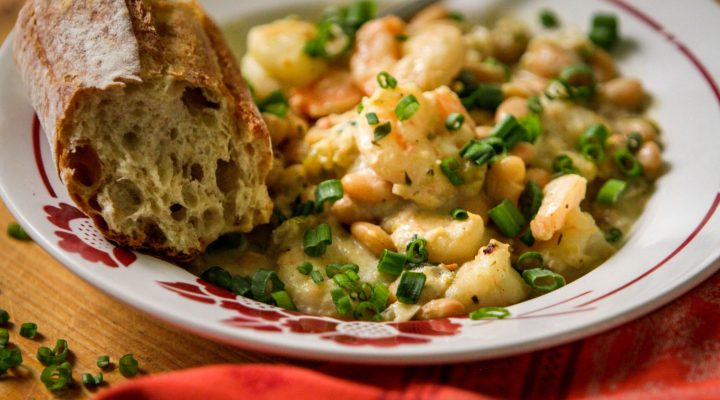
x,y
410,287
529,260
386,81
627,163
317,239
282,299
564,165
459,214
450,167
305,268
407,107
55,356
593,152
543,280
265,282
103,361
381,131
91,381
330,190
530,200
482,151
604,30
15,231
548,19
28,330
634,141
342,301
4,337
610,191
507,218
391,263
372,118
489,312
613,235
57,377
217,276
595,133
416,251
454,121
316,276
510,131
534,104
4,316
333,269
128,366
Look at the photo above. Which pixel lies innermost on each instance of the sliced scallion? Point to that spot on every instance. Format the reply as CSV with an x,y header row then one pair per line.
x,y
381,131
595,133
489,312
305,268
333,269
217,276
543,280
4,316
103,361
482,151
627,163
450,167
634,141
410,287
372,118
530,200
4,338
129,366
282,299
316,276
316,240
604,30
454,121
529,260
265,282
563,165
28,330
527,237
407,107
613,235
610,191
534,104
57,377
510,131
507,218
342,301
330,190
386,81
391,263
15,231
416,251
459,214
533,127
548,19
380,296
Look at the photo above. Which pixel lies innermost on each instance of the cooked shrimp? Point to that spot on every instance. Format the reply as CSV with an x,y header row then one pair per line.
x,y
561,195
333,93
431,57
409,156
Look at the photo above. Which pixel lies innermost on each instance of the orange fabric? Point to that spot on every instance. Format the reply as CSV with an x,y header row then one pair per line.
x,y
673,353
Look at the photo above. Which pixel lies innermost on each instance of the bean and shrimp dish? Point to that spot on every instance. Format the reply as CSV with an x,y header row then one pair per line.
x,y
435,168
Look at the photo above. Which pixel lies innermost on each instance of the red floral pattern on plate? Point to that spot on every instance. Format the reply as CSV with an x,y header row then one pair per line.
x,y
263,317
78,235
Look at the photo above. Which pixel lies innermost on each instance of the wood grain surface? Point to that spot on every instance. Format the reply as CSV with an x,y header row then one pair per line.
x,y
36,288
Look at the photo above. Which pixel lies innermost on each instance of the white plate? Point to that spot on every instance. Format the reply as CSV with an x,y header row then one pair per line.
x,y
671,248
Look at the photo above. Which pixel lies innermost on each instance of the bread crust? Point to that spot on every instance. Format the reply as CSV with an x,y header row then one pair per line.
x,y
67,50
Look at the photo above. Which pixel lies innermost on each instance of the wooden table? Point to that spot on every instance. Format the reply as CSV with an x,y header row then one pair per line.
x,y
34,287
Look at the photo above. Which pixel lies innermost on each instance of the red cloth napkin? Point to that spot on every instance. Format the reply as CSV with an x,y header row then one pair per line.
x,y
673,353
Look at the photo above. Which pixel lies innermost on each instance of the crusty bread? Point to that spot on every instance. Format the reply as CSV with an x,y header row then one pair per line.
x,y
153,130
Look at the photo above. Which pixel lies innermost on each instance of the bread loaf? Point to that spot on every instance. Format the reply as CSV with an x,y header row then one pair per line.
x,y
152,128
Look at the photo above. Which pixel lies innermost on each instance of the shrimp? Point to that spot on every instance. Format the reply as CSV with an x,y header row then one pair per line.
x,y
409,156
561,196
333,93
431,57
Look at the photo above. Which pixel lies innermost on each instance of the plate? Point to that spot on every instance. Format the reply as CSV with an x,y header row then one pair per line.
x,y
672,247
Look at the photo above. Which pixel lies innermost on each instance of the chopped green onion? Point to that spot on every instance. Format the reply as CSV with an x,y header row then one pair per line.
x,y
563,165
217,276
529,260
634,141
57,377
317,239
128,366
489,312
530,200
627,164
386,81
360,107
485,96
454,121
275,103
282,299
103,361
611,191
534,104
533,127
91,381
360,11
352,275
593,152
342,301
596,134
510,131
344,282
507,218
316,276
410,287
381,131
331,41
4,338
416,251
407,107
9,358
372,118
577,75
55,356
333,269
450,167
4,316
391,263
305,268
613,235
482,151
558,90
459,214
265,282
456,16
240,285
15,231
604,30
548,19
330,190
300,208
28,330
380,296
365,311
527,237
543,280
